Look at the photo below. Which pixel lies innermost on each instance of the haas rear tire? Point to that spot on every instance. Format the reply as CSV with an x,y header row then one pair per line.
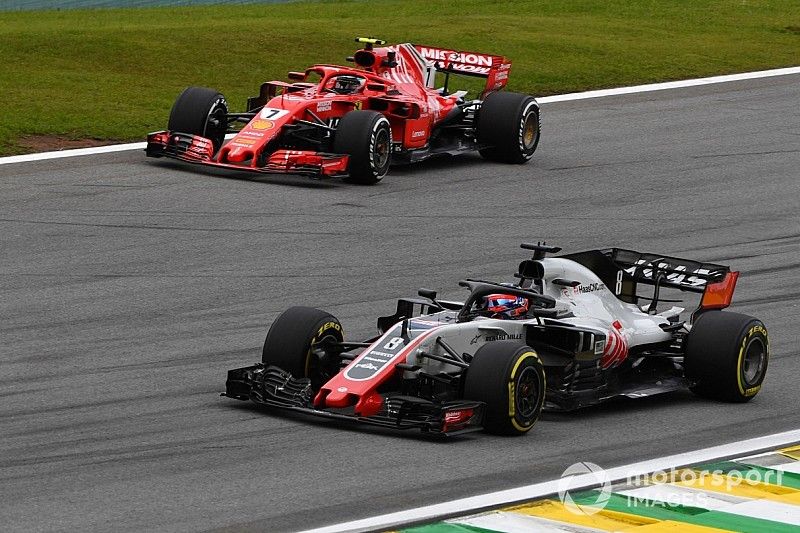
x,y
366,137
509,378
200,111
727,356
508,124
289,340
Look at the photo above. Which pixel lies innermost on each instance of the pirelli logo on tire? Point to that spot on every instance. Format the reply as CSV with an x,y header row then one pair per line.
x,y
751,368
328,325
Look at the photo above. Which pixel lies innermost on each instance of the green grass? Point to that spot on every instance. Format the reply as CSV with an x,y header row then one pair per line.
x,y
113,74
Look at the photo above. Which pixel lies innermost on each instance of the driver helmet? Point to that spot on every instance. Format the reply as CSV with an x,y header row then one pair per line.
x,y
505,305
346,84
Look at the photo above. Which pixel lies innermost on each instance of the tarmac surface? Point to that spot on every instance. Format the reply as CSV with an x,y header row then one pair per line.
x,y
128,287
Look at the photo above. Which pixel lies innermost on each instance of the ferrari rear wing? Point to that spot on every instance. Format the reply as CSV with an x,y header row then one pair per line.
x,y
492,67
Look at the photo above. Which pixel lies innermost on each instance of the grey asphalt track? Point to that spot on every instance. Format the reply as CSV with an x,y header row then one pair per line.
x,y
129,286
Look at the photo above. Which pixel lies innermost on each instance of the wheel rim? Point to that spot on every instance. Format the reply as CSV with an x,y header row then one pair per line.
x,y
216,125
529,131
527,393
380,156
753,364
318,372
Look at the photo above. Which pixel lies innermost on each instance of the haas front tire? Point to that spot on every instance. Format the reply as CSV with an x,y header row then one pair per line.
x,y
289,341
727,356
508,125
366,137
200,111
509,378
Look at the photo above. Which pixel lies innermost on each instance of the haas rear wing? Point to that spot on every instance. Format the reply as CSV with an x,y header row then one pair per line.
x,y
492,67
715,282
683,274
621,270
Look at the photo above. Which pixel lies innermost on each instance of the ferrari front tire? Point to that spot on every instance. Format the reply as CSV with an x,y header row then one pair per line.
x,y
727,356
200,111
508,127
509,378
290,340
366,136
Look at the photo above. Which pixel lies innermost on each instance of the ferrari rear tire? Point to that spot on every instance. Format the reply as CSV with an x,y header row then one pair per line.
x,y
508,125
366,136
727,356
290,339
509,378
200,111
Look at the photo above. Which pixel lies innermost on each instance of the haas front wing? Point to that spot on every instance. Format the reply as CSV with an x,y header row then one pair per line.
x,y
273,387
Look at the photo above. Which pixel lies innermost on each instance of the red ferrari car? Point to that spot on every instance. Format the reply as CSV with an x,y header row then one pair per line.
x,y
354,122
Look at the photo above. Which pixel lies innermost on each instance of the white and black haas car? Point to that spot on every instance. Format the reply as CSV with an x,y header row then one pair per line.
x,y
571,331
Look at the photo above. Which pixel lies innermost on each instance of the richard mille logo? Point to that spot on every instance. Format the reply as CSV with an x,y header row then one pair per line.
x,y
499,337
504,336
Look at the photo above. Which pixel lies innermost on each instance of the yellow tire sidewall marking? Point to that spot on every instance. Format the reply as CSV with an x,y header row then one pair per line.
x,y
328,325
511,392
739,366
325,327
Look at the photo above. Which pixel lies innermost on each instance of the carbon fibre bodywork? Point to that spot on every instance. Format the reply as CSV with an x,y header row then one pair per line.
x,y
291,128
585,322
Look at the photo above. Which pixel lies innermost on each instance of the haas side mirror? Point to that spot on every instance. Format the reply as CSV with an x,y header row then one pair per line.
x,y
427,293
430,295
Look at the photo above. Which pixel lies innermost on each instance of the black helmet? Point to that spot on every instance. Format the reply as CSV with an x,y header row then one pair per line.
x,y
346,84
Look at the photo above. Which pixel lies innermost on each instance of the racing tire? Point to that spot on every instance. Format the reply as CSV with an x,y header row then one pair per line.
x,y
508,124
727,356
509,378
200,111
289,340
366,136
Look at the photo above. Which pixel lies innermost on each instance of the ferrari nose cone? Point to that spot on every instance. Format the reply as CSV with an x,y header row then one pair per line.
x,y
237,154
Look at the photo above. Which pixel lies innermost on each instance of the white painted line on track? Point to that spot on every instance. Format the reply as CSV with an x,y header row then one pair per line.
x,y
503,522
784,513
793,468
671,85
758,456
668,492
761,509
546,488
25,158
544,100
77,152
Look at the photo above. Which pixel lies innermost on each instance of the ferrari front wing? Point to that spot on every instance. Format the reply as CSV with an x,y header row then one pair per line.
x,y
273,387
199,150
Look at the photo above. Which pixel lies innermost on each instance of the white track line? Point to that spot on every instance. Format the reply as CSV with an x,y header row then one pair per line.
x,y
538,490
762,509
503,522
78,151
546,99
671,85
794,468
25,158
